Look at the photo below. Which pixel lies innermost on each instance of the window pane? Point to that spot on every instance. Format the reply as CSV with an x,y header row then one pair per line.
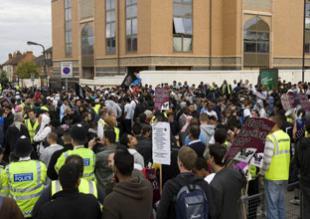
x,y
68,26
134,44
308,23
179,25
129,2
177,44
307,48
308,10
250,35
262,48
129,44
262,36
68,14
110,16
110,4
134,26
128,27
131,11
108,33
188,28
187,44
67,3
249,47
181,10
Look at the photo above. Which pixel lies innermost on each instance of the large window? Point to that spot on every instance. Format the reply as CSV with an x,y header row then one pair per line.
x,y
256,43
68,28
131,25
87,44
110,26
87,40
182,25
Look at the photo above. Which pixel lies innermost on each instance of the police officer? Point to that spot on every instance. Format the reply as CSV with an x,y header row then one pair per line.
x,y
32,124
85,186
25,178
276,169
79,137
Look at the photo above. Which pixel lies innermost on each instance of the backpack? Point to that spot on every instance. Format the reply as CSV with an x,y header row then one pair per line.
x,y
191,203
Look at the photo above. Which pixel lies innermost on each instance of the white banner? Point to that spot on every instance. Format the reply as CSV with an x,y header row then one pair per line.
x,y
161,143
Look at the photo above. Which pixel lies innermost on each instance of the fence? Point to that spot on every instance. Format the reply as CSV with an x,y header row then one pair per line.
x,y
254,206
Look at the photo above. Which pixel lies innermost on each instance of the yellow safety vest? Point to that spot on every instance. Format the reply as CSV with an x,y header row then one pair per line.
x,y
280,162
4,189
32,129
88,158
86,187
25,180
96,108
116,130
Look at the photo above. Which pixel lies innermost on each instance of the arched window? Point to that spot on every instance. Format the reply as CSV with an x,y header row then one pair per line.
x,y
87,45
256,43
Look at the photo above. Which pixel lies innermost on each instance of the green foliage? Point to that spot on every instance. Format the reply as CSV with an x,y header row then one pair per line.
x,y
3,78
26,69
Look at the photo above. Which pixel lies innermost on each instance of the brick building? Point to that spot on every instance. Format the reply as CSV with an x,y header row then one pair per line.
x,y
104,37
10,66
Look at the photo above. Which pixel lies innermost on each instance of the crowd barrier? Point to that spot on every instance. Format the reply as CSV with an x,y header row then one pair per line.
x,y
254,206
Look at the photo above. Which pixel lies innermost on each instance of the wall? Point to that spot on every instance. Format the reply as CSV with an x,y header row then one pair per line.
x,y
195,77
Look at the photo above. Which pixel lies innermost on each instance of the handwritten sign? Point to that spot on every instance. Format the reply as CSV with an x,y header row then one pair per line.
x,y
161,98
161,143
252,135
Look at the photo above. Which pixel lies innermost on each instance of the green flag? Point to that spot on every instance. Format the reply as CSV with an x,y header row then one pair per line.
x,y
269,78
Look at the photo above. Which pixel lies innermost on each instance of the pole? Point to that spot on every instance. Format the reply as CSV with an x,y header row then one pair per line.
x,y
66,81
210,35
118,37
303,48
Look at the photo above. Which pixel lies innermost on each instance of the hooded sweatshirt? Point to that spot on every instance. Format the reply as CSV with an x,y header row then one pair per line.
x,y
44,129
129,199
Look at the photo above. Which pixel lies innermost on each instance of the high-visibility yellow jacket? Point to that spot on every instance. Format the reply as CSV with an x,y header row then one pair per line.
x,y
280,162
25,181
32,129
88,158
86,187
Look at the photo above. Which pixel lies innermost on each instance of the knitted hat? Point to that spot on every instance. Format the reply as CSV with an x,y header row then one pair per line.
x,y
79,133
23,147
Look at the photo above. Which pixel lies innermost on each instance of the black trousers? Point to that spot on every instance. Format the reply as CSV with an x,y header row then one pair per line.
x,y
127,124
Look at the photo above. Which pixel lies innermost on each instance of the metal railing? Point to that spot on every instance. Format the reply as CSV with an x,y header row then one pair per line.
x,y
254,205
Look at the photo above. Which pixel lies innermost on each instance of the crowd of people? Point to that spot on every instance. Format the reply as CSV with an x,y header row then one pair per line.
x,y
89,154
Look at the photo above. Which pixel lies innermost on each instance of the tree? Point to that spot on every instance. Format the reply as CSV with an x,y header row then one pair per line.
x,y
3,78
26,69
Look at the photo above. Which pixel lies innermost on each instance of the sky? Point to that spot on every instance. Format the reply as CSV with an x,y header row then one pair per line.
x,y
22,21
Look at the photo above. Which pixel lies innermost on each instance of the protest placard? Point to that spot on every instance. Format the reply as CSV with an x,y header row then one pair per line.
x,y
257,160
161,143
252,135
245,155
161,100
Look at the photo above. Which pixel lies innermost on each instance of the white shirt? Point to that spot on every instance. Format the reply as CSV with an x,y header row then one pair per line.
x,y
209,178
130,110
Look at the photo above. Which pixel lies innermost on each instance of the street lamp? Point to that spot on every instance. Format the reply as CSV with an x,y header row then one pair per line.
x,y
30,43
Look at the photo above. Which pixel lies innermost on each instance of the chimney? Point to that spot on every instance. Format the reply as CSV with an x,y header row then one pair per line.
x,y
10,56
